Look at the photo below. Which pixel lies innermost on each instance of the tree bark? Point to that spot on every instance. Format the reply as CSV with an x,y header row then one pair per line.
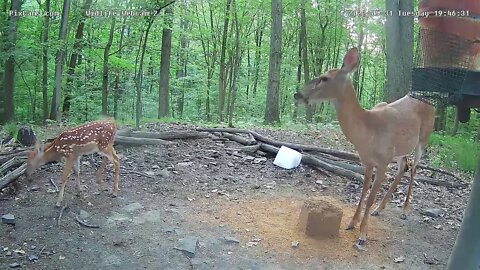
x,y
106,54
399,49
8,105
163,85
59,58
77,47
310,109
222,74
272,113
46,28
116,95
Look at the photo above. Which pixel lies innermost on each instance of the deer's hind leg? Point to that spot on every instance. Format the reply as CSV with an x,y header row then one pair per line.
x,y
402,168
110,154
413,171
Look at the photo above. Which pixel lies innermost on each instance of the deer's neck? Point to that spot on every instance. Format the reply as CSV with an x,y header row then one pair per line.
x,y
350,114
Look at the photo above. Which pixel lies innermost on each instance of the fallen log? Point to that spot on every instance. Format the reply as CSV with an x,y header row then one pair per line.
x,y
443,183
239,139
165,135
4,157
11,176
310,160
247,149
11,163
131,141
301,147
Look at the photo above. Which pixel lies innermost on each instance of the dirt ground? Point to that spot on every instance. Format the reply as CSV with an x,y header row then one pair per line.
x,y
243,211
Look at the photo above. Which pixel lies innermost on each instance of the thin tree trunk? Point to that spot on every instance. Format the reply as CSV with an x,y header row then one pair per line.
x,y
163,86
116,95
9,74
272,113
222,73
77,47
46,28
59,58
310,109
106,54
182,70
237,59
258,45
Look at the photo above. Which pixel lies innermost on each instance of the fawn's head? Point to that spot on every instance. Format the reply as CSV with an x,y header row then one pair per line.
x,y
36,159
329,85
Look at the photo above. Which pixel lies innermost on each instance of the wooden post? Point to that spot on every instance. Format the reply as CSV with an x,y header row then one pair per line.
x,y
466,251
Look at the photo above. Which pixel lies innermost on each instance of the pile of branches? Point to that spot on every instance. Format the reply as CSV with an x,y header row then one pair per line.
x,y
327,161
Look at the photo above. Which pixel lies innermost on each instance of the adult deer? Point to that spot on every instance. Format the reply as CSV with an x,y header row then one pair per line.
x,y
386,132
71,145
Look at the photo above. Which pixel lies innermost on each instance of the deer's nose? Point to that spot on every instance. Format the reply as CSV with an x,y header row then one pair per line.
x,y
298,95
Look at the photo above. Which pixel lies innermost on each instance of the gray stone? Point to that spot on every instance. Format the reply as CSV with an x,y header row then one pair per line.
x,y
34,188
14,265
295,244
185,164
9,253
188,245
230,239
133,207
8,219
32,258
153,216
84,214
432,212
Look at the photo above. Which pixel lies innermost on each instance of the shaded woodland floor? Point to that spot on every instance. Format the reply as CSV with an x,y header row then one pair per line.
x,y
200,190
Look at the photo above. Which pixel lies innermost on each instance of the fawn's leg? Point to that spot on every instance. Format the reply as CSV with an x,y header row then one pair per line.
x,y
413,171
99,174
402,168
76,170
116,165
379,178
63,181
366,185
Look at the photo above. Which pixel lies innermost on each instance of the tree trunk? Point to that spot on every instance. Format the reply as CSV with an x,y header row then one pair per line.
x,y
59,58
77,47
116,95
163,87
139,77
237,60
106,54
182,67
46,27
9,74
310,109
272,113
222,74
258,54
399,47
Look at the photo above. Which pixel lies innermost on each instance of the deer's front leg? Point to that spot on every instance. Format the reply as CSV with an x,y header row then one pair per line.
x,y
379,178
76,170
366,186
116,165
99,174
63,181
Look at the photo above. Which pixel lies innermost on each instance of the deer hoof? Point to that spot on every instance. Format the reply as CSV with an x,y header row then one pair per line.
x,y
361,242
403,216
114,195
375,213
360,247
350,227
58,204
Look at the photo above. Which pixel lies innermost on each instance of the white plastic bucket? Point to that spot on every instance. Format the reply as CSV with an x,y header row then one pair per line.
x,y
287,158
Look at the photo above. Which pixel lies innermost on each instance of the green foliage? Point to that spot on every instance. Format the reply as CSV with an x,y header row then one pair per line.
x,y
453,152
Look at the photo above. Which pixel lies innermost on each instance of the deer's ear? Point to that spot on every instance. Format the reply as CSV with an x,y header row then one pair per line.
x,y
38,147
350,60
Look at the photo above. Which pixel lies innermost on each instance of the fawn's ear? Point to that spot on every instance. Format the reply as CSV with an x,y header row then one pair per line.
x,y
350,60
38,147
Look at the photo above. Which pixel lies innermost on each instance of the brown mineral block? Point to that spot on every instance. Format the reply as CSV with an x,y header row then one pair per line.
x,y
320,217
